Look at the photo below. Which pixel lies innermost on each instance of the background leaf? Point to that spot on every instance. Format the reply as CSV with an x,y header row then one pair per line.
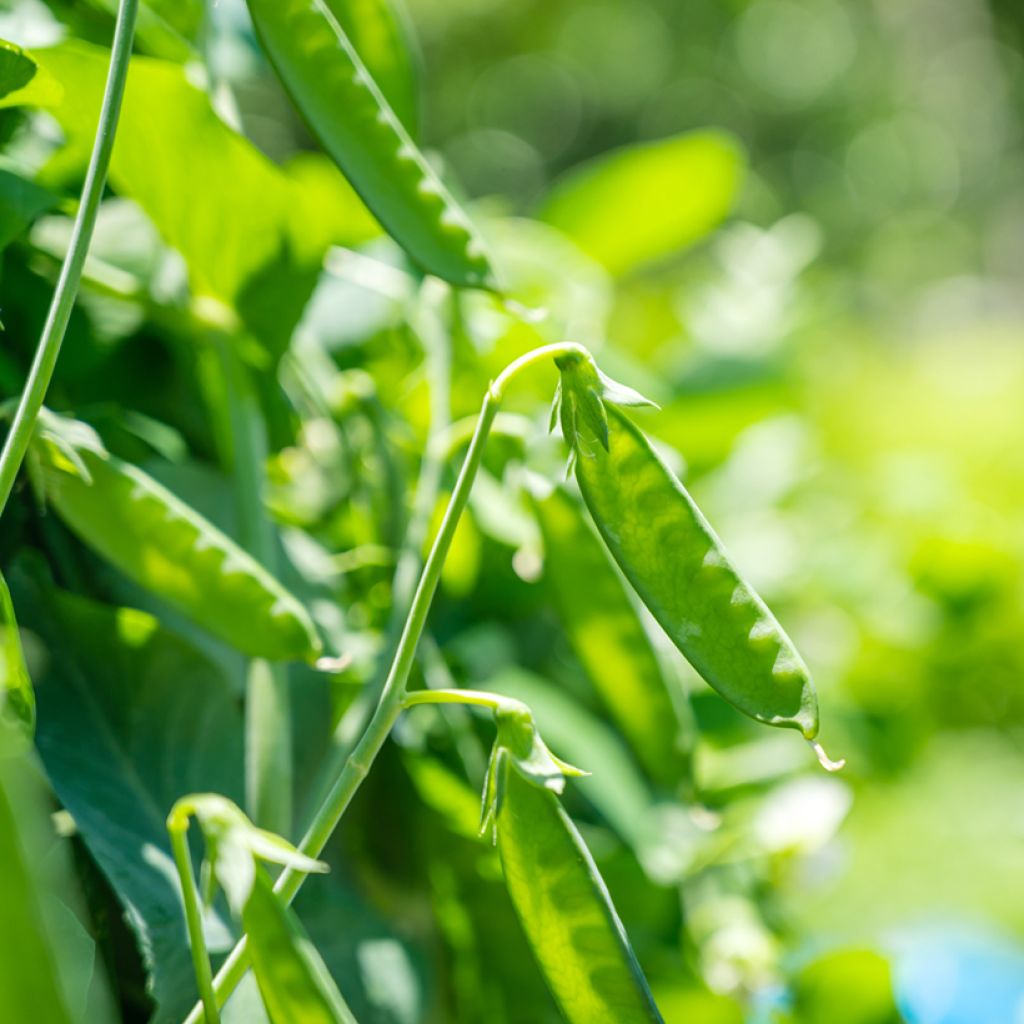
x,y
649,201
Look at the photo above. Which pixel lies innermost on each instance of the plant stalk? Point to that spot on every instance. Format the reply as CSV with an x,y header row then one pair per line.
x,y
392,699
177,827
63,301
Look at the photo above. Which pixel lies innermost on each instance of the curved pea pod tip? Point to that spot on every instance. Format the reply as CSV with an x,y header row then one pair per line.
x,y
519,745
583,391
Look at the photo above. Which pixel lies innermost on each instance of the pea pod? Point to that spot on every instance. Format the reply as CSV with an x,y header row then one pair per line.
x,y
558,894
167,547
676,563
17,699
346,110
608,637
378,35
292,977
565,909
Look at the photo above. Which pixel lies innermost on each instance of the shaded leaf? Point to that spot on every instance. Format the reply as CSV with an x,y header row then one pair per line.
x,y
131,719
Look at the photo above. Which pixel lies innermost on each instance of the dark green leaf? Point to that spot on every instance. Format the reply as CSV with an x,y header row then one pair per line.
x,y
131,719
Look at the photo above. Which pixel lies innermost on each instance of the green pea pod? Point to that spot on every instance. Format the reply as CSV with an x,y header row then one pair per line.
x,y
293,979
167,547
378,35
565,909
17,699
677,565
346,110
608,637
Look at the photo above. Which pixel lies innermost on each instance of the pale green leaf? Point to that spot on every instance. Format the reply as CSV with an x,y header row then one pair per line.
x,y
647,202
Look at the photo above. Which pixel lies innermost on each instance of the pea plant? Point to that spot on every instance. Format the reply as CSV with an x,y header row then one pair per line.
x,y
150,615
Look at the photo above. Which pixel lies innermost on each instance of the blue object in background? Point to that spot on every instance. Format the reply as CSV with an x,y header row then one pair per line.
x,y
956,974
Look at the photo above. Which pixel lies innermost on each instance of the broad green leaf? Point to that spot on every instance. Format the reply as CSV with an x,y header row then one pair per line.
x,y
380,37
21,201
609,639
230,212
646,202
294,981
17,699
168,548
130,719
565,909
49,970
16,68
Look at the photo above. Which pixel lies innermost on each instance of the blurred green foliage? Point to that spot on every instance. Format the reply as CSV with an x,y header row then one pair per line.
x,y
802,236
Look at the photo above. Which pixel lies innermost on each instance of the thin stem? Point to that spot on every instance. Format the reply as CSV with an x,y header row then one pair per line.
x,y
476,697
392,699
177,828
437,364
48,350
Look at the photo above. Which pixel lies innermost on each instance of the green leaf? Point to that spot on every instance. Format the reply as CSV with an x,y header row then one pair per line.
x,y
21,202
850,986
16,68
646,202
609,639
130,719
294,982
168,548
49,970
565,909
17,699
239,232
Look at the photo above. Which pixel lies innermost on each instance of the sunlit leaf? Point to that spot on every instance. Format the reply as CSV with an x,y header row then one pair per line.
x,y
649,201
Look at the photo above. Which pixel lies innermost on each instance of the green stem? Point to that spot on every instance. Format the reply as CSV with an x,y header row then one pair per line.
x,y
477,697
177,828
392,699
437,364
63,300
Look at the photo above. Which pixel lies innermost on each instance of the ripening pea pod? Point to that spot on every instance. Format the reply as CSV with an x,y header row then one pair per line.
x,y
380,37
609,639
292,977
346,110
558,893
167,547
675,561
